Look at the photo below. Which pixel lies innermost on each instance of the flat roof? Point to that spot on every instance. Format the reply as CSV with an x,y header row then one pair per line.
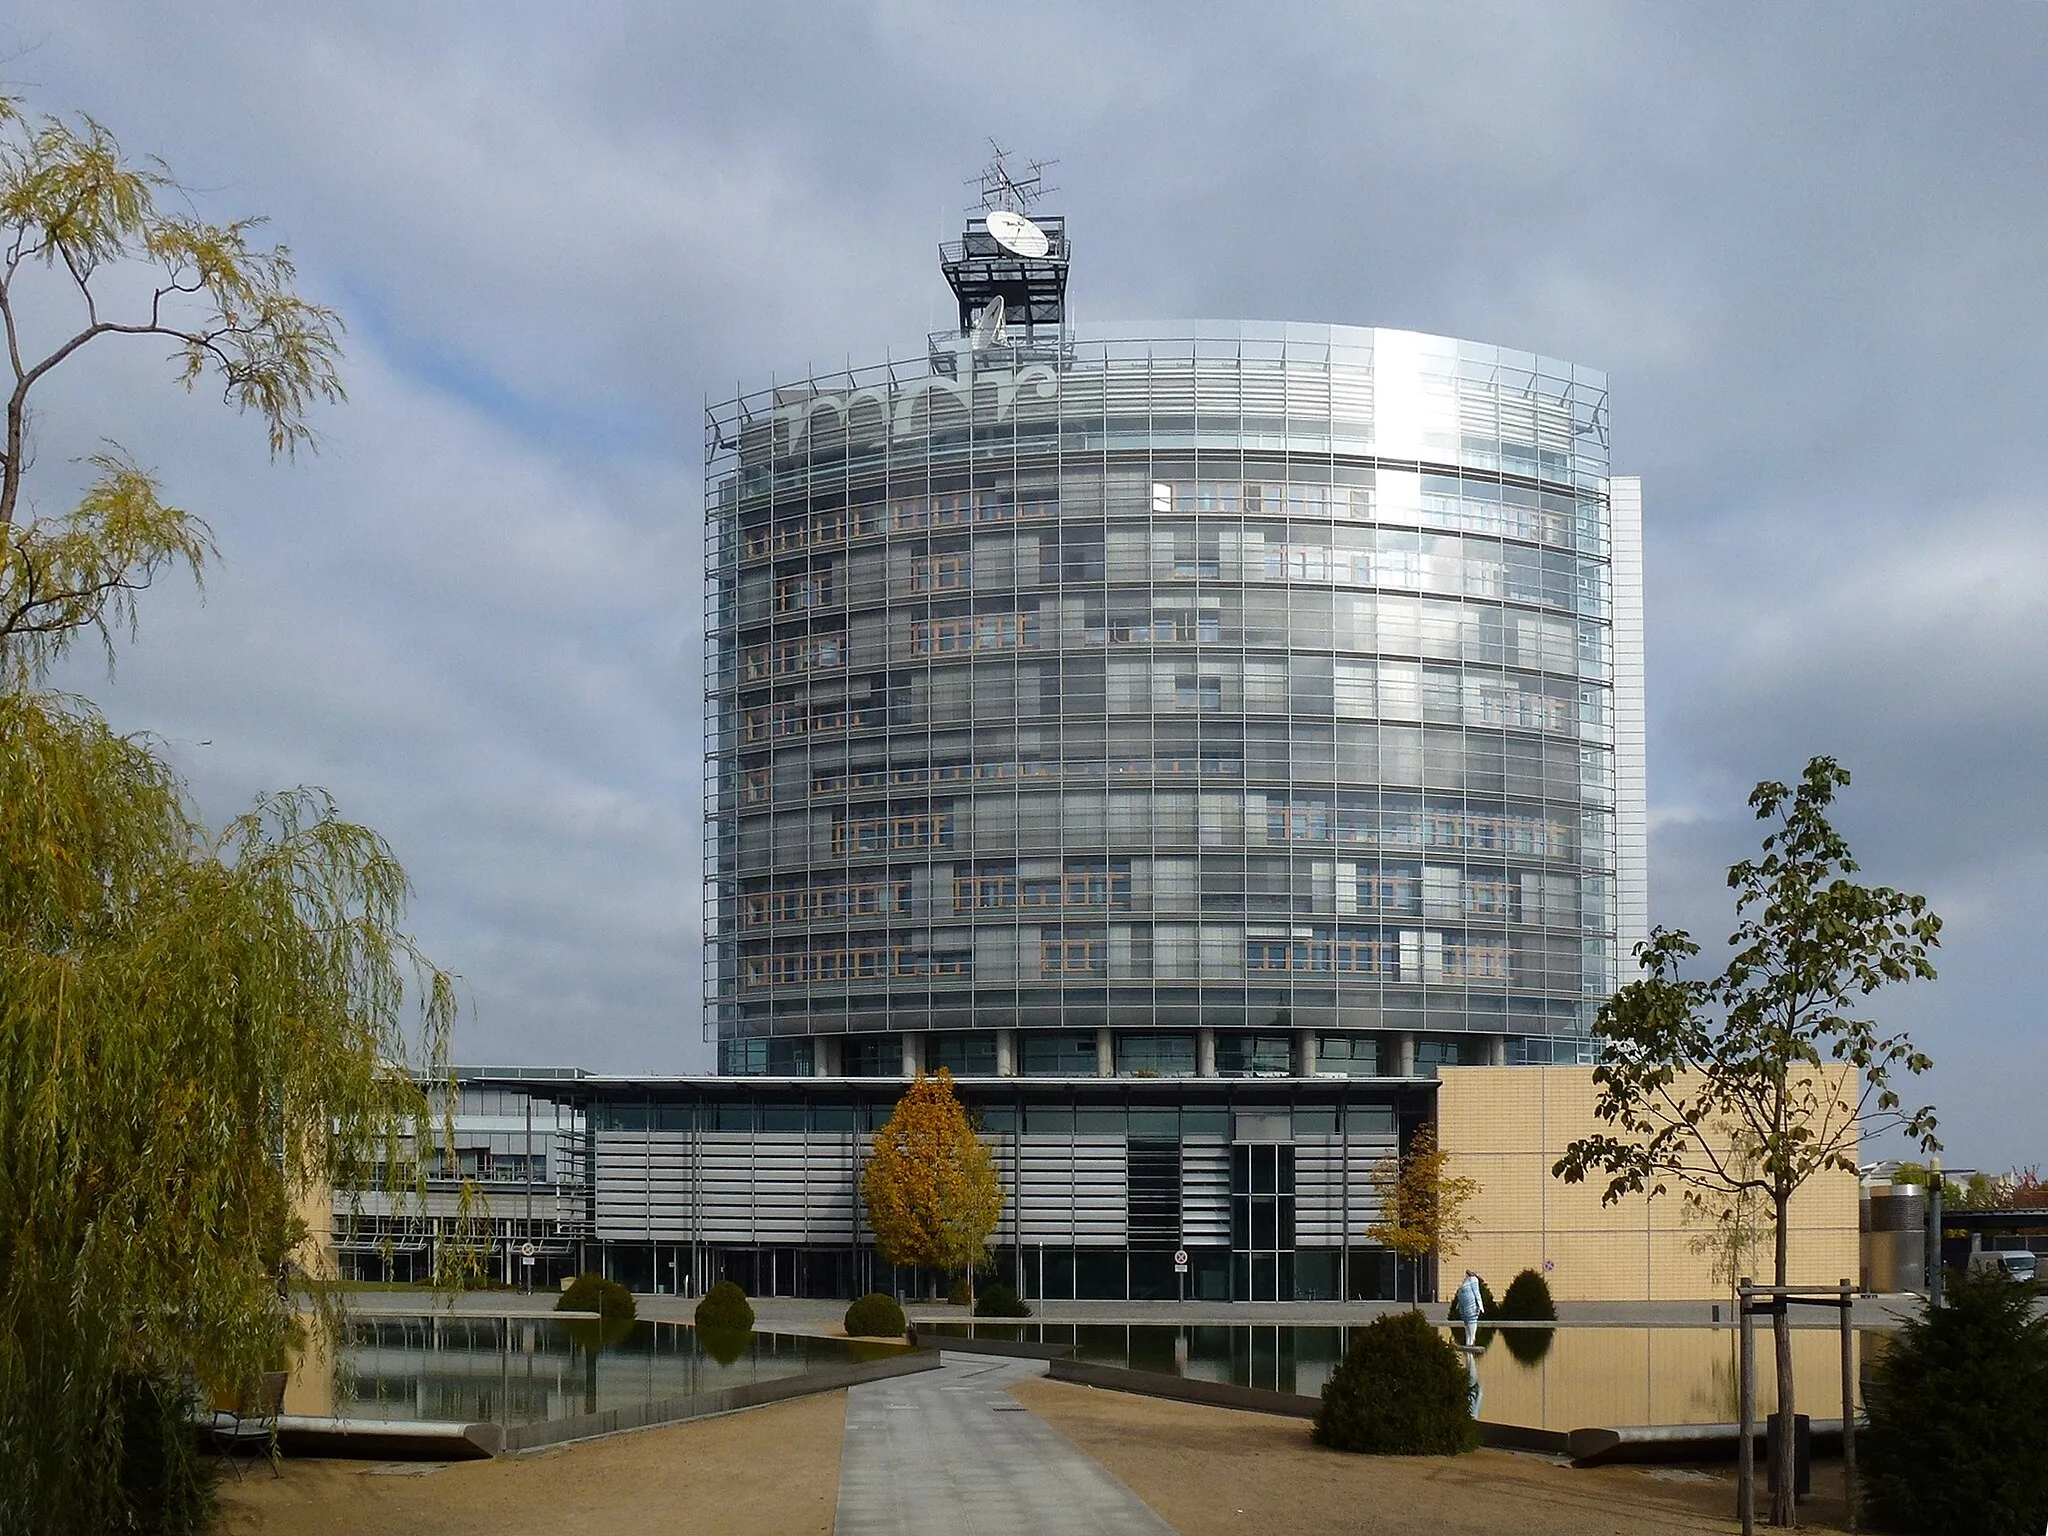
x,y
592,1086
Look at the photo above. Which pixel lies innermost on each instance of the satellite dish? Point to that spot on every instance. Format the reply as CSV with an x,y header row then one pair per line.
x,y
1017,234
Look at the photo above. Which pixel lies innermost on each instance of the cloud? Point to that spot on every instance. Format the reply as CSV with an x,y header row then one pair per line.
x,y
1804,242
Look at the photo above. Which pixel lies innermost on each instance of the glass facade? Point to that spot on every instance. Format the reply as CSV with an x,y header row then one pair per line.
x,y
1187,700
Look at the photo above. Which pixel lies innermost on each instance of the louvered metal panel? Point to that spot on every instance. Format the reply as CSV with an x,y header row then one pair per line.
x,y
1216,389
1172,389
1154,1182
1351,396
726,1187
1308,393
1073,1190
1334,1193
1205,1194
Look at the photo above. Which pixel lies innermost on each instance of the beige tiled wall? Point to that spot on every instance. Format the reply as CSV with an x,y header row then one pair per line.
x,y
1506,1126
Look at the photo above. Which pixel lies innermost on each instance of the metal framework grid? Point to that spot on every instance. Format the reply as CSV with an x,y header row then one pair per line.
x,y
1220,676
1033,288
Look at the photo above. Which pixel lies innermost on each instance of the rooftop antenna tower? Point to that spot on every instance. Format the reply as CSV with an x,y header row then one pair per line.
x,y
1008,271
1000,188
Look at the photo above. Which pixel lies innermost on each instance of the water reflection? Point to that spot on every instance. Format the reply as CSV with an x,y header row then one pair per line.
x,y
531,1370
1545,1378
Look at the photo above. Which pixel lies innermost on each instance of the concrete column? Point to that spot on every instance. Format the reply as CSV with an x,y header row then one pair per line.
x,y
1497,1050
1105,1054
1205,1052
1006,1053
1304,1053
1404,1054
826,1060
913,1053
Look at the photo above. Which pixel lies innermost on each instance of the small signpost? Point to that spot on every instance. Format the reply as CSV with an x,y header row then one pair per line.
x,y
526,1253
1180,1261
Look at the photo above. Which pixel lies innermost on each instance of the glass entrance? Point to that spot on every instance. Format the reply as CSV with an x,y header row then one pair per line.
x,y
1262,1223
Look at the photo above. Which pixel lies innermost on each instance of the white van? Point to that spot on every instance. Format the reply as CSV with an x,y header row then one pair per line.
x,y
2017,1263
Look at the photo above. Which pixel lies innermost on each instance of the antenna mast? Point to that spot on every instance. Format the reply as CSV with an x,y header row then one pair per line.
x,y
1000,188
1008,271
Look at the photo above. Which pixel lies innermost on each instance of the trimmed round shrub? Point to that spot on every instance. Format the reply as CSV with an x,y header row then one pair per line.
x,y
1487,1306
959,1293
1000,1301
1527,1300
725,1306
1528,1345
723,1344
875,1316
593,1293
1401,1391
1958,1437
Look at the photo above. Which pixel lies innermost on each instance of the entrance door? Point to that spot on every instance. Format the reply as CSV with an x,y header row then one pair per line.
x,y
1262,1222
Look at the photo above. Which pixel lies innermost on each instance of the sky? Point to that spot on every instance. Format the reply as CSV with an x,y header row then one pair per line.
x,y
1808,243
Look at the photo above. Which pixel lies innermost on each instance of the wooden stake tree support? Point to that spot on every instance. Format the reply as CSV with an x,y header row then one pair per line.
x,y
1769,1300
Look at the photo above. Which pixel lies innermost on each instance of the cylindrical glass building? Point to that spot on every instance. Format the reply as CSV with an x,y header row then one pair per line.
x,y
1169,700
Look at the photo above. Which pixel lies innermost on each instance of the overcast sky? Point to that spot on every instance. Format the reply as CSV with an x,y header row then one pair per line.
x,y
1808,242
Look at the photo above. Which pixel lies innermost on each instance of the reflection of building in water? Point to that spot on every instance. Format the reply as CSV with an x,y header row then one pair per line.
x,y
1653,1376
509,1370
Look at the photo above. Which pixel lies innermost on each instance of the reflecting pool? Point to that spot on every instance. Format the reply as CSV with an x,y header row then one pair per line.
x,y
520,1370
1544,1378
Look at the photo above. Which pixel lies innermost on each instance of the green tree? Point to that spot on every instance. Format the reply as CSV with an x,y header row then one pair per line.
x,y
1958,1437
930,1185
201,1034
1773,1046
82,237
1422,1203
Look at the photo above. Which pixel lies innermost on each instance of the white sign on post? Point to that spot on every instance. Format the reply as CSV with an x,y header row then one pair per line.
x,y
526,1253
1180,1261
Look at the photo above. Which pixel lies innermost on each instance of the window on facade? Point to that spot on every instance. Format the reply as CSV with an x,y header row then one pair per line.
x,y
1086,883
1352,1055
974,632
758,1057
1068,956
875,831
803,590
1469,960
1197,553
941,573
1062,1053
862,895
871,1056
1240,1055
1155,1055
971,1055
1431,1054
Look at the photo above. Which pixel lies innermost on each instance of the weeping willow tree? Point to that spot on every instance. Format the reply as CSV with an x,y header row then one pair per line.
x,y
201,1033
198,1034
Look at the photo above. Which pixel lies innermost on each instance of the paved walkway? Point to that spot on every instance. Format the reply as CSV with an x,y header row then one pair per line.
x,y
951,1453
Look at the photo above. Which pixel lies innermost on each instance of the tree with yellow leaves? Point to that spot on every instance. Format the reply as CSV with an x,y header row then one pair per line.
x,y
1422,1206
931,1188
